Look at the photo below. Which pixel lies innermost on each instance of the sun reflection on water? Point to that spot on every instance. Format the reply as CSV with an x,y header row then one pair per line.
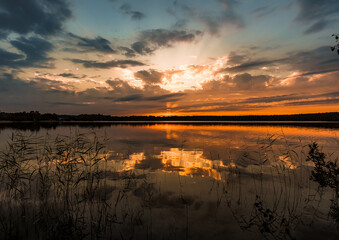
x,y
184,162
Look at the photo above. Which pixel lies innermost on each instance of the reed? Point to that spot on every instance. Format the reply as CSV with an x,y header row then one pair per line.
x,y
67,188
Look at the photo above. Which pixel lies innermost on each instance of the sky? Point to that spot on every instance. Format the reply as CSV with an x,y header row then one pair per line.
x,y
165,57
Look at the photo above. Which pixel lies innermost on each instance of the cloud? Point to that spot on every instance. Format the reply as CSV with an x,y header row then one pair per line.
x,y
246,81
9,58
67,104
290,97
109,64
141,97
235,58
164,37
151,40
263,11
9,84
35,49
128,52
98,44
44,17
135,15
149,77
314,102
278,98
34,53
243,82
142,48
317,27
39,94
316,60
72,75
310,62
319,72
134,97
118,97
317,14
214,21
253,64
165,97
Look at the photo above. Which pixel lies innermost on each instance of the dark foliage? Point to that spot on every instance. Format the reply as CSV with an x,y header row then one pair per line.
x,y
326,173
336,46
36,116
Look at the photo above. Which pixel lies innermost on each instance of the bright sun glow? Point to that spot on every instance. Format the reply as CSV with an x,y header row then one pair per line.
x,y
192,76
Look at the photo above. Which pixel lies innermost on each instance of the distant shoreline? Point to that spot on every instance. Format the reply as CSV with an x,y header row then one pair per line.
x,y
172,121
36,126
35,117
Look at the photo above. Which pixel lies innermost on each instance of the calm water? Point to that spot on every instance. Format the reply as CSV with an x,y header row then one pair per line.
x,y
182,181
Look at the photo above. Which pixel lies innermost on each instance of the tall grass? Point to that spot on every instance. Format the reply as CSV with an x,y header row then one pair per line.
x,y
67,188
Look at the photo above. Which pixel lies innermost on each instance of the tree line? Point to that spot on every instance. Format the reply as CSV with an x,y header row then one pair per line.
x,y
35,116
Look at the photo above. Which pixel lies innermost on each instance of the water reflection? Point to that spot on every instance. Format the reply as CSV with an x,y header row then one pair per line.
x,y
166,181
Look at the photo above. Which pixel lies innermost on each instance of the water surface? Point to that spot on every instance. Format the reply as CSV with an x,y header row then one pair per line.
x,y
200,181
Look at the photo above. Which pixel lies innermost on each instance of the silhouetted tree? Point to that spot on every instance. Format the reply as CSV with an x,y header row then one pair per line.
x,y
336,46
326,173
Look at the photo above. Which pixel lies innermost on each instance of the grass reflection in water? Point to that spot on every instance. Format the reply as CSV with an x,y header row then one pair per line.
x,y
74,187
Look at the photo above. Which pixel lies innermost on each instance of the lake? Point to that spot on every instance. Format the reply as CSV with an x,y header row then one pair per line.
x,y
166,181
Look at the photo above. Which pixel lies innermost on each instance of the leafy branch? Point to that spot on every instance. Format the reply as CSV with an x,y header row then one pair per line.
x,y
336,46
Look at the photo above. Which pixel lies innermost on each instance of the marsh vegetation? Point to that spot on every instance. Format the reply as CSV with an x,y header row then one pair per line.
x,y
77,186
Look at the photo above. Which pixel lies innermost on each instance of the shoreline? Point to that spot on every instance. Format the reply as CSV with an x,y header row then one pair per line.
x,y
53,124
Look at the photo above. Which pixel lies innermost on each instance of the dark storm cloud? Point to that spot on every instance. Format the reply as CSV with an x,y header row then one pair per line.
x,y
109,64
98,44
151,40
317,14
135,15
34,53
149,77
213,21
43,17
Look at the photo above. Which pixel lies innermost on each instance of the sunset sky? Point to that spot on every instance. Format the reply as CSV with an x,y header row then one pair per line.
x,y
165,57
